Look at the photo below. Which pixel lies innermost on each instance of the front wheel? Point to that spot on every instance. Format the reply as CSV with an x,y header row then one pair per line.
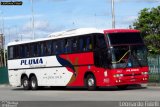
x,y
34,83
90,82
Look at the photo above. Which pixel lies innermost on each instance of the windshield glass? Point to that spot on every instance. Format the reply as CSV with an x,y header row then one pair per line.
x,y
125,38
129,56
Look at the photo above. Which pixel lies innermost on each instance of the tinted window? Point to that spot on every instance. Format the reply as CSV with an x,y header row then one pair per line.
x,y
67,45
31,50
62,48
22,51
89,43
100,41
10,53
53,47
41,49
35,49
85,43
45,50
125,38
49,47
75,46
58,47
82,44
16,52
26,50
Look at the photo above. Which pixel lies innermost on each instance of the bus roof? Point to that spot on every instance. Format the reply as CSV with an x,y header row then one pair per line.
x,y
72,33
120,30
62,34
75,32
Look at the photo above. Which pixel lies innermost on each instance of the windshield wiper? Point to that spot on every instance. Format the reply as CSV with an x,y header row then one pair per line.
x,y
121,57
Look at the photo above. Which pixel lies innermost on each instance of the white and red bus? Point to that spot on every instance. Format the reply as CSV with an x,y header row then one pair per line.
x,y
84,57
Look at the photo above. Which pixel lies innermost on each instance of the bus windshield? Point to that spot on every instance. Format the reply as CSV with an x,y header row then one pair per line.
x,y
129,56
127,50
125,38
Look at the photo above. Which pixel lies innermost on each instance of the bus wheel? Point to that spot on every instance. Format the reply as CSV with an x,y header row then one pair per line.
x,y
34,83
90,82
122,87
25,83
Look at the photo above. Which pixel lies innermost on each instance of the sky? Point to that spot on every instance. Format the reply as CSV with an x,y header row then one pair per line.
x,y
59,15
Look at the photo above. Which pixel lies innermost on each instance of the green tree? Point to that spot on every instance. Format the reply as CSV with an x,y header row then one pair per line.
x,y
148,23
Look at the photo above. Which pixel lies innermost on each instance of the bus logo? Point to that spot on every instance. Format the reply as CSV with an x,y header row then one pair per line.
x,y
32,61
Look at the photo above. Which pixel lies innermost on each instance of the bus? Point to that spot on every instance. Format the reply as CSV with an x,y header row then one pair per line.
x,y
85,57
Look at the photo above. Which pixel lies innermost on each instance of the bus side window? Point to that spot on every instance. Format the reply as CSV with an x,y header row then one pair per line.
x,y
86,44
101,42
101,58
35,50
53,47
67,45
75,45
22,51
57,47
38,49
25,51
19,48
49,47
45,50
10,52
62,42
31,50
89,44
82,48
42,49
17,52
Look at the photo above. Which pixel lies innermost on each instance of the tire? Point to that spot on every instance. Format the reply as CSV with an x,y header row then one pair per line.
x,y
25,83
122,87
90,82
33,83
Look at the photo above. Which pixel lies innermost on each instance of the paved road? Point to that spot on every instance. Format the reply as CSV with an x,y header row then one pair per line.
x,y
8,93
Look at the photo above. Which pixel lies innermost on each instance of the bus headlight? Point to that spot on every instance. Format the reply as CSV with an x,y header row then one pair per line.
x,y
118,75
144,73
121,75
105,73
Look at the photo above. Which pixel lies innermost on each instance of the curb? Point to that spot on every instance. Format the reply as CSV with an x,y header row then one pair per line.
x,y
154,84
5,85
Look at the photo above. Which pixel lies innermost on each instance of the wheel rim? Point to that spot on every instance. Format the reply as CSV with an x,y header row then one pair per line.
x,y
90,82
33,83
25,83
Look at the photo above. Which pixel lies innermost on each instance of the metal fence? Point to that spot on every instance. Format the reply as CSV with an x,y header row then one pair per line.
x,y
154,68
4,75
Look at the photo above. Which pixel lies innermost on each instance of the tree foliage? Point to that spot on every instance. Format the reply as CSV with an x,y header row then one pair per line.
x,y
148,23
